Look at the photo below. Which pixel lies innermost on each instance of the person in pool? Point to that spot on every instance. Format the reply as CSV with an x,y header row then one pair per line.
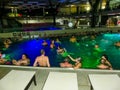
x,y
66,64
2,60
77,61
73,39
117,44
52,44
24,61
104,63
44,43
62,51
42,61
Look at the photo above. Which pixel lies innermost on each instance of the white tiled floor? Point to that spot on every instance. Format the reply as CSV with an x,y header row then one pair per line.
x,y
42,74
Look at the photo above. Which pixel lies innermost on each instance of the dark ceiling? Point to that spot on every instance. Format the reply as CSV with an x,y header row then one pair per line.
x,y
44,1
38,3
35,6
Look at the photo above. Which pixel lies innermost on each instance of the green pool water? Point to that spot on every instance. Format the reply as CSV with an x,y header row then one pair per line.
x,y
84,48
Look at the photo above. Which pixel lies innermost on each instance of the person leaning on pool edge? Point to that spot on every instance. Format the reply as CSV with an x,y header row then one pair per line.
x,y
66,63
42,61
77,61
24,61
104,63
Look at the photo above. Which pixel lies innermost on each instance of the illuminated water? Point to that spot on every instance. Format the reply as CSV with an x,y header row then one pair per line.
x,y
84,48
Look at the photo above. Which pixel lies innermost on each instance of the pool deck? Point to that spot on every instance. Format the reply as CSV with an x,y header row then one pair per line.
x,y
42,74
52,33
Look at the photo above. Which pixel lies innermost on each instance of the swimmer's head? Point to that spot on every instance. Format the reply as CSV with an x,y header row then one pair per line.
x,y
96,46
66,60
